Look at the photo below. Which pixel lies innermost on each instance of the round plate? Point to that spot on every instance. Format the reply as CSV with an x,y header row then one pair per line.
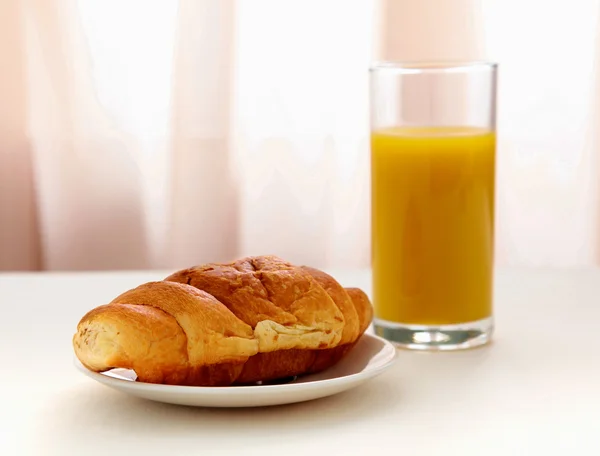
x,y
371,356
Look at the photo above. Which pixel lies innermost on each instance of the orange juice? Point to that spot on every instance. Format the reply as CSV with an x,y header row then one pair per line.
x,y
432,224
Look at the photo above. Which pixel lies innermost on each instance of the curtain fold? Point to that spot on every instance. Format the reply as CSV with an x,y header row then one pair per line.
x,y
87,182
19,234
431,30
301,129
203,217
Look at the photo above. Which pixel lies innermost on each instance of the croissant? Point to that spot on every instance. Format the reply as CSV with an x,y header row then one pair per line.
x,y
253,320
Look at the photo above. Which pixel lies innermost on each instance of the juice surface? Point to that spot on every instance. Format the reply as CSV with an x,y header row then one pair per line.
x,y
432,224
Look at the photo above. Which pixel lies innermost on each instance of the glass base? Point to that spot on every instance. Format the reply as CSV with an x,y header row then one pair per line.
x,y
436,338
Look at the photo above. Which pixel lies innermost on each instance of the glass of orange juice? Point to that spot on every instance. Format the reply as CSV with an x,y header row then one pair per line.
x,y
433,148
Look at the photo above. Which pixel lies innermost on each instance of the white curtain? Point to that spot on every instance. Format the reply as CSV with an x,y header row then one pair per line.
x,y
548,129
162,134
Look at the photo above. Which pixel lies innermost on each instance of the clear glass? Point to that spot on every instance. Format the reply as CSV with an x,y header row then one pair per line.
x,y
433,155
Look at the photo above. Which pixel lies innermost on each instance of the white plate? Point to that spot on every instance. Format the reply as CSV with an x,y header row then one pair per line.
x,y
370,357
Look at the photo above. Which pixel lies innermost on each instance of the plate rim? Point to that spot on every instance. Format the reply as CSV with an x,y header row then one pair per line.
x,y
242,390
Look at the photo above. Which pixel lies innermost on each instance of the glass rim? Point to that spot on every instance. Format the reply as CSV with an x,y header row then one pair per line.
x,y
433,66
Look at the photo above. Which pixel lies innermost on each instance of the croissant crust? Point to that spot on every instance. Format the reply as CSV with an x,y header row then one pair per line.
x,y
255,319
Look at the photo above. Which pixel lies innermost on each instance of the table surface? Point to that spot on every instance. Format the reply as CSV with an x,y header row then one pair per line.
x,y
534,390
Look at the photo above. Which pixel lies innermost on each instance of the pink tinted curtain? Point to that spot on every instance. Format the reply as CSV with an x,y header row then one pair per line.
x,y
97,182
19,229
175,133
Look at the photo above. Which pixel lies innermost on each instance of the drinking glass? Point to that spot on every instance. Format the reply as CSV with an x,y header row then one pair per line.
x,y
433,152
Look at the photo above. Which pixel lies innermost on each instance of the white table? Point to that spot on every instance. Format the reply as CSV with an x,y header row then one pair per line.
x,y
534,391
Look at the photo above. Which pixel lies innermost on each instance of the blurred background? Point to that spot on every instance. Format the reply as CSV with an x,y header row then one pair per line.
x,y
141,134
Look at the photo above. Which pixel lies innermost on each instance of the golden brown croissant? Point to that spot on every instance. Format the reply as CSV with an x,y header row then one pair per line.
x,y
256,319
